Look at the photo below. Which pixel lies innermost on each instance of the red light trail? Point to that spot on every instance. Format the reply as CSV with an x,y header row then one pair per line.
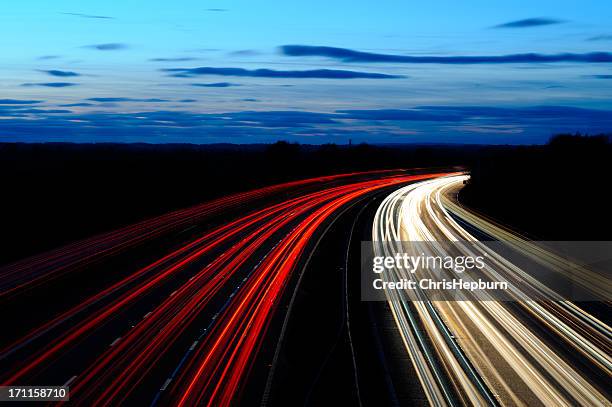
x,y
248,264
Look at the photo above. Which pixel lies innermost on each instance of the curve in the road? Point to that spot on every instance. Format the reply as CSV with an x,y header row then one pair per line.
x,y
479,351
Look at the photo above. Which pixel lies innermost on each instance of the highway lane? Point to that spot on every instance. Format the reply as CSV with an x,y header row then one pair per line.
x,y
185,327
327,367
479,351
110,260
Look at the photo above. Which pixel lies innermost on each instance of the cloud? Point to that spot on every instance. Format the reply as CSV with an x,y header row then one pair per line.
x,y
110,100
123,99
523,113
19,102
249,100
530,22
81,104
113,46
598,76
216,9
270,73
215,84
244,53
492,129
280,118
187,100
400,115
46,57
51,84
179,59
55,72
90,16
348,55
456,124
45,111
603,37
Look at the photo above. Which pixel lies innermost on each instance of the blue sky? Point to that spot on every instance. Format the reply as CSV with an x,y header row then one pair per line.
x,y
387,71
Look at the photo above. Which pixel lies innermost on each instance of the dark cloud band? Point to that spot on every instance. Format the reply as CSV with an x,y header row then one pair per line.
x,y
349,55
123,99
51,84
89,16
114,46
529,22
270,73
215,85
18,102
535,124
63,74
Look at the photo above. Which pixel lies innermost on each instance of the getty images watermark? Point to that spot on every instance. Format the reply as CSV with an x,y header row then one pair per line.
x,y
486,271
404,262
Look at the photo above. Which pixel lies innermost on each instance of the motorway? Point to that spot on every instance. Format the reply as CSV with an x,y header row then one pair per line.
x,y
475,349
175,309
253,298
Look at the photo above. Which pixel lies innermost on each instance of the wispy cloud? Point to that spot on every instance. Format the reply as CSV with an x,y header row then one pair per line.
x,y
216,9
349,55
178,59
112,46
55,72
524,113
402,115
51,84
19,102
90,16
280,118
244,53
603,37
44,111
603,76
79,104
124,99
530,22
215,85
271,73
47,57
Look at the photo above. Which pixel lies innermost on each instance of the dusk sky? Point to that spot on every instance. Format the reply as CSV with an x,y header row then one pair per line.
x,y
313,72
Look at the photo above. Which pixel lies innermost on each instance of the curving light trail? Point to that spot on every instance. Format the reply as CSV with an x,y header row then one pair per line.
x,y
476,350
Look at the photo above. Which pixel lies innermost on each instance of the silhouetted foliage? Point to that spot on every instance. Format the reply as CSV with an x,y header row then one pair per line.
x,y
578,140
557,192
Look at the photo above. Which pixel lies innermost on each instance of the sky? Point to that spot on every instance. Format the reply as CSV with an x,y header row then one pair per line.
x,y
237,71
